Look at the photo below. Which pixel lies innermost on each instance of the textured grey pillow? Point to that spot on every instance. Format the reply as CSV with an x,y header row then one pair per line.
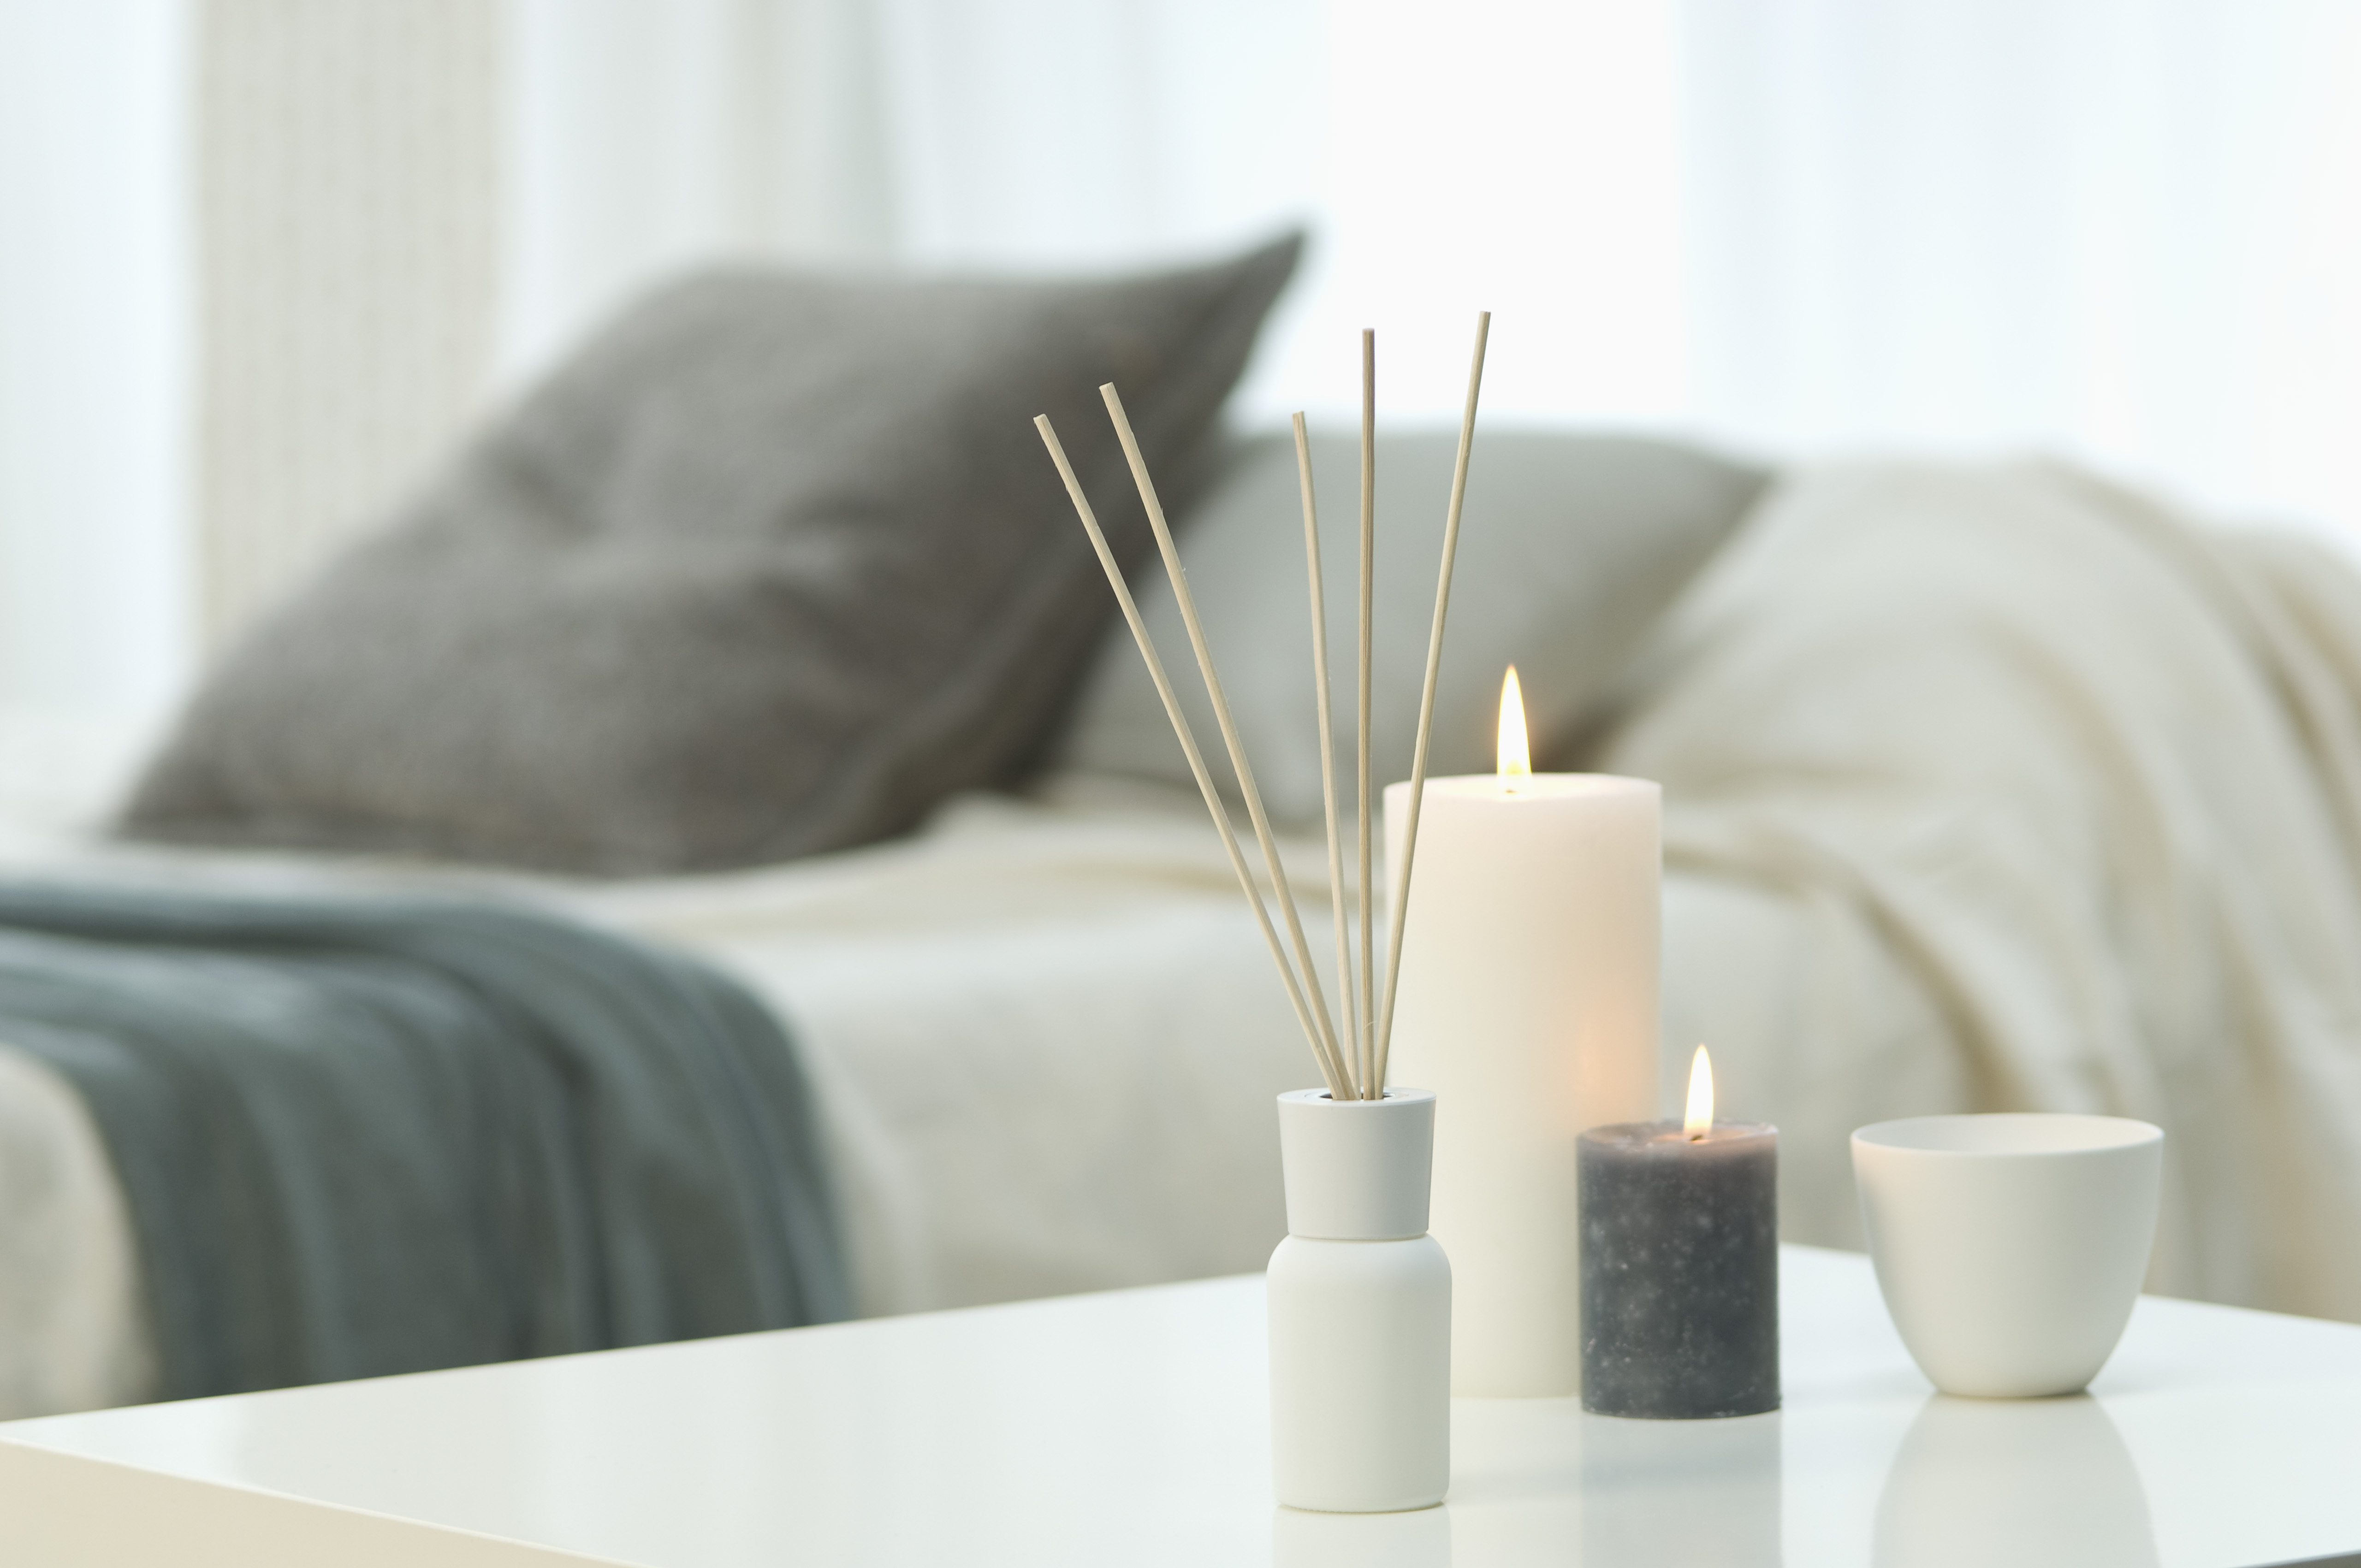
x,y
1569,547
772,566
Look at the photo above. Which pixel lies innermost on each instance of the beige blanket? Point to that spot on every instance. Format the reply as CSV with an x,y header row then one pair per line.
x,y
2000,789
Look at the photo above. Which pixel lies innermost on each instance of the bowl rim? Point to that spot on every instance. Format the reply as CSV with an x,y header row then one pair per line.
x,y
2102,1134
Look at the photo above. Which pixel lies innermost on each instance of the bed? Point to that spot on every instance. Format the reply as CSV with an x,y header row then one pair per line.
x,y
1986,788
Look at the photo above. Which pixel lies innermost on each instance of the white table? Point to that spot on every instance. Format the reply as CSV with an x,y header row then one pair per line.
x,y
1128,1428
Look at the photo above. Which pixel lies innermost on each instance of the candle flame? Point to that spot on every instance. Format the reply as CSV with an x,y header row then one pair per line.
x,y
1516,760
1699,1121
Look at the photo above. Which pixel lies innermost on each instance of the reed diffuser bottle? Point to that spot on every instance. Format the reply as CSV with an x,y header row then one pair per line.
x,y
1360,1309
1359,1294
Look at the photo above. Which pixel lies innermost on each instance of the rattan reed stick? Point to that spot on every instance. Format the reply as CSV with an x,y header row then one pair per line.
x,y
1349,1006
1426,697
1331,1065
1188,602
1365,1047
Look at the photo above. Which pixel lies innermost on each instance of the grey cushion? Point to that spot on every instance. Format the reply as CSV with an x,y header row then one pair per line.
x,y
1569,547
768,568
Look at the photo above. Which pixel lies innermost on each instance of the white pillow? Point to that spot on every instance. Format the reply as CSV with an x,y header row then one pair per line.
x,y
1569,548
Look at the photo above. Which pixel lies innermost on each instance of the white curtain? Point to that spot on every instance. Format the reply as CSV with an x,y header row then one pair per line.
x,y
1504,154
93,354
641,136
650,135
345,199
2124,230
1511,157
2127,230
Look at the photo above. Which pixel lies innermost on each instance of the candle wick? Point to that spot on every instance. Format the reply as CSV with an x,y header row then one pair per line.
x,y
1696,1138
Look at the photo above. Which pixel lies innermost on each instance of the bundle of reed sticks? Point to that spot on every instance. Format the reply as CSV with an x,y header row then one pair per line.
x,y
1352,1057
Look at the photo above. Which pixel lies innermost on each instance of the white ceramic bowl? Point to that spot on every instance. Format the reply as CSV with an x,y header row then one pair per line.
x,y
2010,1248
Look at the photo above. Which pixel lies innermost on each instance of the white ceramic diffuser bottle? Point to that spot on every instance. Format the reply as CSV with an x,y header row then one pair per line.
x,y
1360,1309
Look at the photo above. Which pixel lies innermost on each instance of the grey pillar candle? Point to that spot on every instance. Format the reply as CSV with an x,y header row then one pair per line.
x,y
1680,1269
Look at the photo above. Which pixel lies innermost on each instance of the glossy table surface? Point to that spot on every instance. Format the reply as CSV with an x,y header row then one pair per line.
x,y
1129,1428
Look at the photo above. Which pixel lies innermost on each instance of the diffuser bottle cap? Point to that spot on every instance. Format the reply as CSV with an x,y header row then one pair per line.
x,y
1356,1170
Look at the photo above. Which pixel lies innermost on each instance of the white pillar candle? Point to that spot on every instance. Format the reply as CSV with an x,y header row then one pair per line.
x,y
1528,1005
